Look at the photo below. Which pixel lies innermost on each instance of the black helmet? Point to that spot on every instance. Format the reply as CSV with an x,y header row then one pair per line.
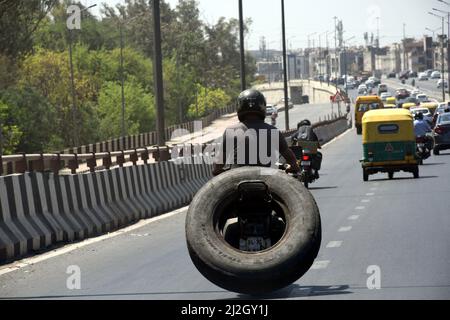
x,y
305,122
419,116
251,102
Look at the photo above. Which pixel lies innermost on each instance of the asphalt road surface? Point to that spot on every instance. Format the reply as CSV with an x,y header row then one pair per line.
x,y
396,229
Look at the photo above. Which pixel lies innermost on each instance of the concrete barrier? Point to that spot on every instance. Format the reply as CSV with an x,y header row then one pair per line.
x,y
40,210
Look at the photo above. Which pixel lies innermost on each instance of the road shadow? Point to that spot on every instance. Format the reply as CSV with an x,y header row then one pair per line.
x,y
433,164
403,178
321,188
297,291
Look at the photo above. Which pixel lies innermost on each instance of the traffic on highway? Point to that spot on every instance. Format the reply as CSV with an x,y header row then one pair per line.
x,y
157,150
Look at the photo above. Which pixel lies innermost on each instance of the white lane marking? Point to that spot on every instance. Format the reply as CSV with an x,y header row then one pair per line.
x,y
334,244
373,189
320,264
370,194
365,201
345,229
72,247
354,217
360,208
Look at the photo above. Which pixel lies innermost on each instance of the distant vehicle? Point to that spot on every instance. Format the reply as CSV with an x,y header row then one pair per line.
x,y
362,89
382,88
281,104
404,75
415,93
413,74
391,75
270,109
427,116
385,95
375,80
402,94
350,85
429,72
441,133
436,75
442,82
422,98
423,77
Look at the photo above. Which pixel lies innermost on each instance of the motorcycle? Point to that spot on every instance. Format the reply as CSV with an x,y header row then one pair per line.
x,y
306,154
253,230
425,144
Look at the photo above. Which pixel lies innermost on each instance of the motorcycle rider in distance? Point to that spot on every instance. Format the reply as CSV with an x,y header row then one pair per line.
x,y
251,110
421,127
306,133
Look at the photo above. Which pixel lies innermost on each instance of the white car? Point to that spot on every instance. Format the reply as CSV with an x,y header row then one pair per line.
x,y
385,95
440,82
423,77
427,116
423,98
436,75
415,93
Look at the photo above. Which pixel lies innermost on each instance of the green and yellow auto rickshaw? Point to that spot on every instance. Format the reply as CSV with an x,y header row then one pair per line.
x,y
389,143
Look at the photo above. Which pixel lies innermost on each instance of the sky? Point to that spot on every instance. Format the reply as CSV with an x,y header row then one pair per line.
x,y
307,17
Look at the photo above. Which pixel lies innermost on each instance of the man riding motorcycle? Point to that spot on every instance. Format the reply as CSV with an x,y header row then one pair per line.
x,y
251,112
421,130
306,133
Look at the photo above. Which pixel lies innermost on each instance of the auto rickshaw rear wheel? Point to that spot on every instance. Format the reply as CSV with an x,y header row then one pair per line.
x,y
365,175
416,172
391,175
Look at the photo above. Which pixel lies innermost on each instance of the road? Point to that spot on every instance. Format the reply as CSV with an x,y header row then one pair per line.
x,y
428,87
313,112
398,227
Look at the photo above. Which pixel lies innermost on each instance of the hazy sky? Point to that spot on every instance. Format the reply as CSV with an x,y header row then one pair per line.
x,y
306,17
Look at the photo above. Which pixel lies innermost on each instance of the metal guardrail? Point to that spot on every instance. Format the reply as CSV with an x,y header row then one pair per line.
x,y
21,163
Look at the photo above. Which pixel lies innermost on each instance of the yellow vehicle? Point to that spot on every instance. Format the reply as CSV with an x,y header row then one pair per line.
x,y
389,143
409,105
432,106
363,105
391,102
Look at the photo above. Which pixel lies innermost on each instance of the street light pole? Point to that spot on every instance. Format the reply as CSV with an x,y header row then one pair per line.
x,y
122,80
242,48
442,52
448,42
286,96
158,74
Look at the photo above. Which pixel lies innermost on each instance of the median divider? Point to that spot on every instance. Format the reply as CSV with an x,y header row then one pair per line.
x,y
40,210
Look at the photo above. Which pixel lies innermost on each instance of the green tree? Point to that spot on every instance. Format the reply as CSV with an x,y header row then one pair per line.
x,y
30,118
11,133
139,110
207,101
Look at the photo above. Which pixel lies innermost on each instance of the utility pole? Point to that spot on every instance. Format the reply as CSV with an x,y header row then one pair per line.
x,y
404,47
286,95
335,52
378,32
442,59
242,49
122,80
158,74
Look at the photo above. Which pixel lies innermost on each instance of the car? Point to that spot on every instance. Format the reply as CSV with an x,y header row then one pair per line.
x,y
422,98
427,116
402,93
270,109
442,82
423,77
385,95
441,133
391,75
375,80
382,88
415,93
413,74
281,104
429,72
436,75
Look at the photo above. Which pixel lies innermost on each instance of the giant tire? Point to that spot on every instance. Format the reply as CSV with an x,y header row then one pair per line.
x,y
261,272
